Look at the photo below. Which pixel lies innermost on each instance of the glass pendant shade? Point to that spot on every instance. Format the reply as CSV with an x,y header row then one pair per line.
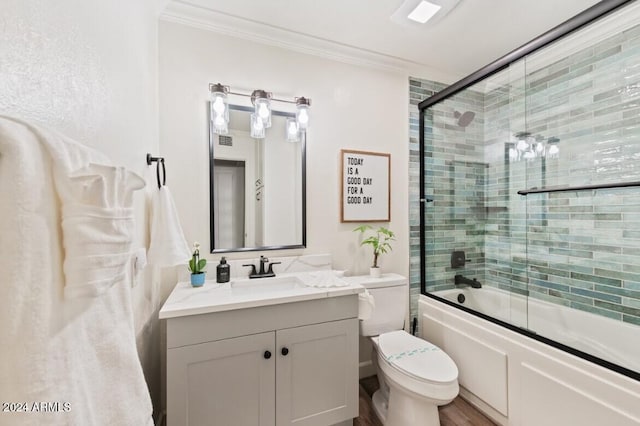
x,y
553,149
514,155
522,145
293,134
302,113
219,109
262,104
257,127
220,125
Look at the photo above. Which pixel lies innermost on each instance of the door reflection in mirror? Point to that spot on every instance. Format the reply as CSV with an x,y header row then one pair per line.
x,y
229,195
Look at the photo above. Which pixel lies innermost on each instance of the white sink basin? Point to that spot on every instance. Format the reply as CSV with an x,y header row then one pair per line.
x,y
275,284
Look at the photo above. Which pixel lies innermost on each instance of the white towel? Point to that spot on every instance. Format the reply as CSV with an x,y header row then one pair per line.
x,y
168,246
78,354
98,227
366,305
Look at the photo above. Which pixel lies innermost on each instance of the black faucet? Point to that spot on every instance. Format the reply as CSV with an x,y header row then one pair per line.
x,y
262,273
462,280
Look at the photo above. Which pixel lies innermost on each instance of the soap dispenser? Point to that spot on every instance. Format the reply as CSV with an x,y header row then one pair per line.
x,y
223,271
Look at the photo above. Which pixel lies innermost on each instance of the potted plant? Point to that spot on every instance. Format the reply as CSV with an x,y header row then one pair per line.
x,y
381,243
196,266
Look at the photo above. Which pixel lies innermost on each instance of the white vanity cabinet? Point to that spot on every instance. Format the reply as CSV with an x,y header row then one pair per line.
x,y
293,363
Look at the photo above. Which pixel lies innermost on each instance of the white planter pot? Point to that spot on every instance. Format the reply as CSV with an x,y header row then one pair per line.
x,y
375,272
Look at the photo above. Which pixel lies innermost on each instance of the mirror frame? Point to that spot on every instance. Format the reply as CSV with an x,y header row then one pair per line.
x,y
303,153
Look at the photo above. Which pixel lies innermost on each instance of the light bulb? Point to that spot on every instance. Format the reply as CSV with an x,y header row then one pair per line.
x,y
220,124
513,154
218,105
554,149
303,117
263,111
522,145
539,148
302,113
292,130
529,155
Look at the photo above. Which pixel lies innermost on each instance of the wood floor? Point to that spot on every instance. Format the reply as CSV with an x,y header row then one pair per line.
x,y
457,413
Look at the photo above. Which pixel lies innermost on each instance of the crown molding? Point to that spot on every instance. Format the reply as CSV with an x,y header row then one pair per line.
x,y
197,16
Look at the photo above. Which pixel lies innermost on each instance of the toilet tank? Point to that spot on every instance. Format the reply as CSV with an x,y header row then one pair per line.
x,y
391,296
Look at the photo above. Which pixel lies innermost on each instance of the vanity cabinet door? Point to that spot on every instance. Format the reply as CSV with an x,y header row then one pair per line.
x,y
225,382
317,374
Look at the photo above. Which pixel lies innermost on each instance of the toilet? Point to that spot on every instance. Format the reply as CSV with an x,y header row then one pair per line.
x,y
415,376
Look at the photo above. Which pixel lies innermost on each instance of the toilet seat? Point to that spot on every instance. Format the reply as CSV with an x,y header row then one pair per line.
x,y
417,358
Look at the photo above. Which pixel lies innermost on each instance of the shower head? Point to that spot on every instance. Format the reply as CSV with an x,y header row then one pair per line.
x,y
464,119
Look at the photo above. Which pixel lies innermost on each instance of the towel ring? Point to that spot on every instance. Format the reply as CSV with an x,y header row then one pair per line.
x,y
158,161
164,173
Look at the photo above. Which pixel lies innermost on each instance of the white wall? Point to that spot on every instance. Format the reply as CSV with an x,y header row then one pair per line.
x,y
88,69
353,107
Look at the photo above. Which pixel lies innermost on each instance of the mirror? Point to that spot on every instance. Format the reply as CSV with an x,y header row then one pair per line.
x,y
257,186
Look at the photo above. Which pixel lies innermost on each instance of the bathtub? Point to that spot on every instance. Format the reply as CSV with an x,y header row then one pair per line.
x,y
539,363
602,337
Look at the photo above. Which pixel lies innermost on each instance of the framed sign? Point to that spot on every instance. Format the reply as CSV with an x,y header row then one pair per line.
x,y
366,180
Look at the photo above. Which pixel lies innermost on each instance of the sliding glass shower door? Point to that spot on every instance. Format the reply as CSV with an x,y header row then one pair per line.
x,y
531,191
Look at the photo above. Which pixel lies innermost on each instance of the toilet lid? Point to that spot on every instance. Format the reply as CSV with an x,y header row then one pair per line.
x,y
417,357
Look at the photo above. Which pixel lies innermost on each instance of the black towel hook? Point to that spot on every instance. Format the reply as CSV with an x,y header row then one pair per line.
x,y
158,161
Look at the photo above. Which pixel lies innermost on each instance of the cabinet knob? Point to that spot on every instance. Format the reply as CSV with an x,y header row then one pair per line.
x,y
284,351
267,354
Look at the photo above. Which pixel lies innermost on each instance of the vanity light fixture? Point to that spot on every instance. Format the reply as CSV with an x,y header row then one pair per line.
x,y
261,118
529,147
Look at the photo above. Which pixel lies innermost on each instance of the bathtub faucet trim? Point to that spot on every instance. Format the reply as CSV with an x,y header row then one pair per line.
x,y
462,280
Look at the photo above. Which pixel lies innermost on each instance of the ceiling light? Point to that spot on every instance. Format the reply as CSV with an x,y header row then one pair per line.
x,y
423,12
261,118
415,13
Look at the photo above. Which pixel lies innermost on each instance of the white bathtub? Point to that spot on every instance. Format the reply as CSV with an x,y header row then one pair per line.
x,y
518,380
605,338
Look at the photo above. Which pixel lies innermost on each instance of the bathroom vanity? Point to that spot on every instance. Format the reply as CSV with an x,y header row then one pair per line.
x,y
261,352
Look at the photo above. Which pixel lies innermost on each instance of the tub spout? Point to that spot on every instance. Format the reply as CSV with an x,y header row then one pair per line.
x,y
462,280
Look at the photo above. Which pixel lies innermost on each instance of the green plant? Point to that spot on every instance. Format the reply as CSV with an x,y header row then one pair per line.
x,y
381,241
196,265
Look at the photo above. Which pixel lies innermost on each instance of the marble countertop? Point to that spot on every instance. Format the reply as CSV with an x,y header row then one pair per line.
x,y
212,297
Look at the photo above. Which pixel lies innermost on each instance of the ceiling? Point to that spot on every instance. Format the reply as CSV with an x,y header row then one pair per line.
x,y
472,35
